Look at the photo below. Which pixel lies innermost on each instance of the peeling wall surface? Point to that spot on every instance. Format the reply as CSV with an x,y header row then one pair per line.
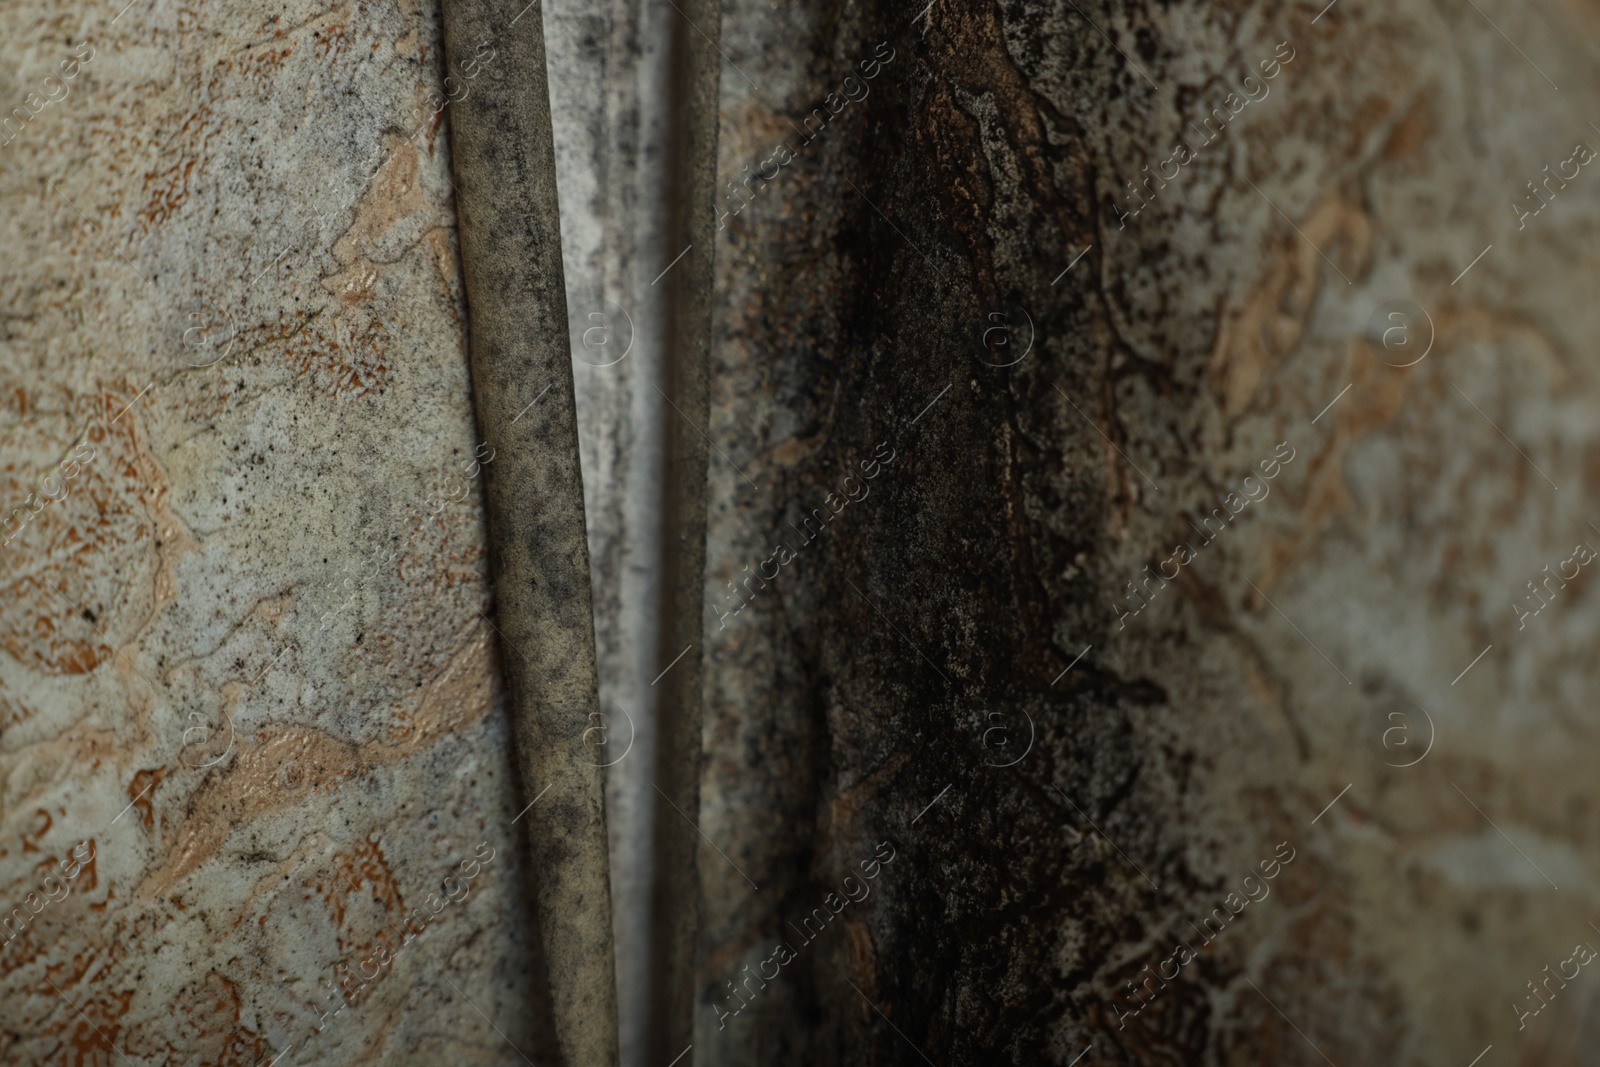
x,y
247,677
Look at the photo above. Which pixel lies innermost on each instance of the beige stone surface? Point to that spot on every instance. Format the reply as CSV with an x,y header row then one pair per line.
x,y
244,655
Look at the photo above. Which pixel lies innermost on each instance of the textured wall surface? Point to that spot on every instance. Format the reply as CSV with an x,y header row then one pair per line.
x,y
971,601
244,654
1126,641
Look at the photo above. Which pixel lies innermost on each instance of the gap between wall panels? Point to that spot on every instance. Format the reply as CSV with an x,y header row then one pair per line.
x,y
610,90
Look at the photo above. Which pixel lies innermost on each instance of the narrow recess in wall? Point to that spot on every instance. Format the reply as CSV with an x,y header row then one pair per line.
x,y
611,92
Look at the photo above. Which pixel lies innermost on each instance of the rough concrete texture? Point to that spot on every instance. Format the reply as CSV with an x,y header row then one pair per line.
x,y
245,657
962,609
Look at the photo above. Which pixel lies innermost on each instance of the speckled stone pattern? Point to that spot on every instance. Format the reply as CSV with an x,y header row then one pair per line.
x,y
256,792
1078,759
